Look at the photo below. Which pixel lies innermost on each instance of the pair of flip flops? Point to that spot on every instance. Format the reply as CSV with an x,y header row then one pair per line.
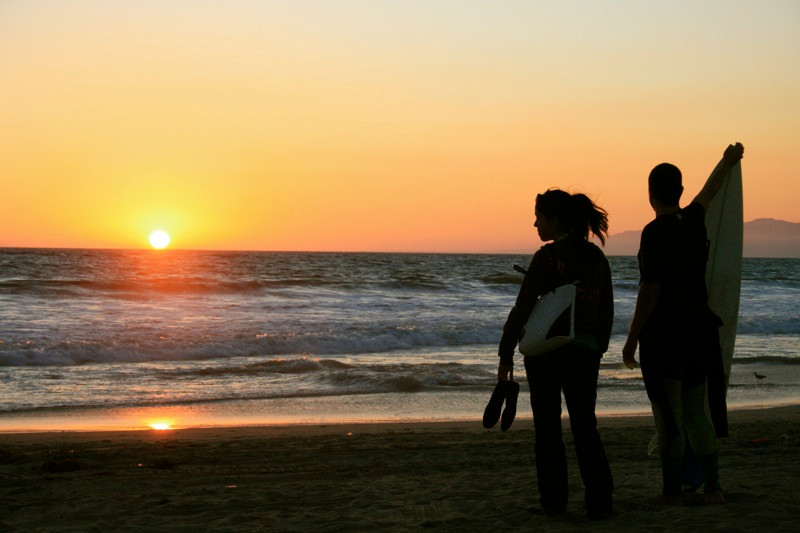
x,y
505,391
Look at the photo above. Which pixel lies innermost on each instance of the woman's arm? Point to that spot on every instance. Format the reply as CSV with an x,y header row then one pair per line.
x,y
532,286
605,310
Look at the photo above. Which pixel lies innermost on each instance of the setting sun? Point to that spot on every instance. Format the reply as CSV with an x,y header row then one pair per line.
x,y
278,150
159,239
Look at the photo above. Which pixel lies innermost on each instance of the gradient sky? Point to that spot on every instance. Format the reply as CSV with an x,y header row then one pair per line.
x,y
379,125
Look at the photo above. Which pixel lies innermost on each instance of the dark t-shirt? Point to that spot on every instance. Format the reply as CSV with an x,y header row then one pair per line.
x,y
680,340
673,254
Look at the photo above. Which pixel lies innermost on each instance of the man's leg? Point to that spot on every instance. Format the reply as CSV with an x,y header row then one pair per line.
x,y
701,434
668,416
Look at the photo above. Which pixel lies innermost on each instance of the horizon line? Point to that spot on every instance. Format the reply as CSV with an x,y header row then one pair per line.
x,y
232,250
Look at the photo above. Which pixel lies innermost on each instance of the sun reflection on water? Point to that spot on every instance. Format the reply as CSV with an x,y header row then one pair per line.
x,y
161,425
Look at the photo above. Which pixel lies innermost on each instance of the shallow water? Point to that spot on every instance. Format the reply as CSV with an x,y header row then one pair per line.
x,y
114,337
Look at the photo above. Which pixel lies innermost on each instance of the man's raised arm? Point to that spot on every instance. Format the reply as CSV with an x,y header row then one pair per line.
x,y
733,154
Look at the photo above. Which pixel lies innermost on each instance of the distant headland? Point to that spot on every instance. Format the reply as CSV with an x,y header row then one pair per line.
x,y
763,237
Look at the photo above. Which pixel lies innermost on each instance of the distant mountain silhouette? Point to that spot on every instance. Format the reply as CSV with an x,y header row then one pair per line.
x,y
768,237
763,237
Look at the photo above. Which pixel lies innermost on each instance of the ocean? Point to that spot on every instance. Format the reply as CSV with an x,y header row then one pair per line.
x,y
124,339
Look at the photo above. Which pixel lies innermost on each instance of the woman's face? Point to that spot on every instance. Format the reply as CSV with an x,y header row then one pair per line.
x,y
546,227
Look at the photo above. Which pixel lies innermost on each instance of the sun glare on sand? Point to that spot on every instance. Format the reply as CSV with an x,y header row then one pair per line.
x,y
159,239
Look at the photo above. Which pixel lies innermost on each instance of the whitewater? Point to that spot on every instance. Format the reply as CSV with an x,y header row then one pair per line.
x,y
269,337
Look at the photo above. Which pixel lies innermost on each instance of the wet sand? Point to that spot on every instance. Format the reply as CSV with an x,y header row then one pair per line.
x,y
453,476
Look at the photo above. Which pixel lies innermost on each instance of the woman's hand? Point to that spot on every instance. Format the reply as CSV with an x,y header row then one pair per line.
x,y
504,371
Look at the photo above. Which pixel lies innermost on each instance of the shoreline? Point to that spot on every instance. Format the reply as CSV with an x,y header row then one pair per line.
x,y
747,414
523,417
399,476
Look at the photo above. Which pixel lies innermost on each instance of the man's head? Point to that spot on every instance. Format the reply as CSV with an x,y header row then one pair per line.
x,y
665,184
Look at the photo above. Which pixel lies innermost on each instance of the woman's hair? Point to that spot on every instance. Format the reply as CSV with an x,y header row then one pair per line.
x,y
576,213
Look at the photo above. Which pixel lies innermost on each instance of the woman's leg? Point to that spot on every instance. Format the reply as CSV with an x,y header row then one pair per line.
x,y
551,460
579,369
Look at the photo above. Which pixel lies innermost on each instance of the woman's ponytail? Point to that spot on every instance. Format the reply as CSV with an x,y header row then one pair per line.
x,y
588,217
576,213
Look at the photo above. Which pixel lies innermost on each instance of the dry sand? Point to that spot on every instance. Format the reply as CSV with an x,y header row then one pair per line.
x,y
375,477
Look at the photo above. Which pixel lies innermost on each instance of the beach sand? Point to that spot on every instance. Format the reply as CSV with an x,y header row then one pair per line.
x,y
453,476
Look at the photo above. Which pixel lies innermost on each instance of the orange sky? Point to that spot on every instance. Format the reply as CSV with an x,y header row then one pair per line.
x,y
379,126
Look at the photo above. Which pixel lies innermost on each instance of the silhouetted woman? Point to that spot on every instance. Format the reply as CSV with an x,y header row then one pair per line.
x,y
566,220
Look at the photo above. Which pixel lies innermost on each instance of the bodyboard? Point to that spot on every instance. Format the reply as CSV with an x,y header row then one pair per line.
x,y
535,338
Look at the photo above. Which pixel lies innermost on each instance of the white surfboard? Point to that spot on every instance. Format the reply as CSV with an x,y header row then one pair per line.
x,y
725,227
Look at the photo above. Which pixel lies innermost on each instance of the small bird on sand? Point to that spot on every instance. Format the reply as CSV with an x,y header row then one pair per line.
x,y
758,376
